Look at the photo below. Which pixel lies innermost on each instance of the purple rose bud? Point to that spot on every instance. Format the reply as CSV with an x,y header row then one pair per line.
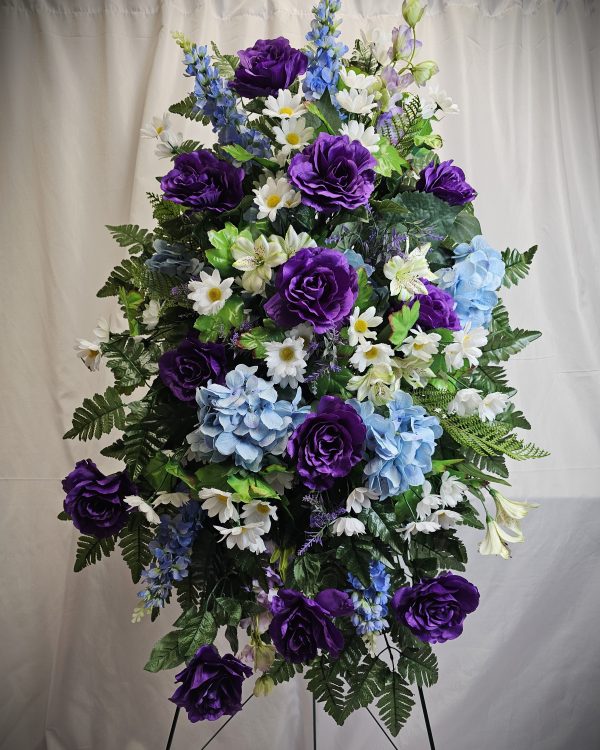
x,y
191,365
211,685
300,627
337,603
95,501
271,65
333,173
446,182
317,286
328,443
434,609
202,182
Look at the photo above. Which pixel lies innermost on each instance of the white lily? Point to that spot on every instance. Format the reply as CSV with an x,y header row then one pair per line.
x,y
256,259
406,273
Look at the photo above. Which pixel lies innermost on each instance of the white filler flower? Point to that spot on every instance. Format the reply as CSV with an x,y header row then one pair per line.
x,y
357,102
247,536
465,403
210,293
467,345
357,131
259,511
347,526
452,490
151,314
134,501
218,503
492,405
420,345
89,352
358,81
360,498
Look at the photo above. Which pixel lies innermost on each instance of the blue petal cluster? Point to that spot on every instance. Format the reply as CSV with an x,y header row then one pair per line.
x,y
370,604
325,51
172,550
474,280
402,444
173,260
243,419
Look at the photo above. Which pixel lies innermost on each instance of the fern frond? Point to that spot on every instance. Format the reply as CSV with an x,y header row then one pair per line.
x,y
97,416
136,240
395,703
187,108
502,344
131,362
134,546
90,550
121,276
516,265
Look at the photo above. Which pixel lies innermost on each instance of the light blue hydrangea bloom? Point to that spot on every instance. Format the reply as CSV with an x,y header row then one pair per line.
x,y
357,261
243,420
173,260
172,550
324,52
370,604
402,444
474,280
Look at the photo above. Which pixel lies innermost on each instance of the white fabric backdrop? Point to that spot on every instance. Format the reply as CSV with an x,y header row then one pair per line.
x,y
78,81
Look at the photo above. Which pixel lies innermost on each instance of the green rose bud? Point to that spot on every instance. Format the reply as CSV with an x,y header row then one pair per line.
x,y
424,71
412,10
263,686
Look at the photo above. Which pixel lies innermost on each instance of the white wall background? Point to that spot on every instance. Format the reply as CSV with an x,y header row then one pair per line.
x,y
78,79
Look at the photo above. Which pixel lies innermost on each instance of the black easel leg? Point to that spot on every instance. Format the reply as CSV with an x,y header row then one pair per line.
x,y
173,725
314,701
376,720
426,715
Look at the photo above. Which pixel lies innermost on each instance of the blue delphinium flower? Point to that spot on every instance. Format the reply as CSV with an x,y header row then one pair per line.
x,y
371,603
173,260
324,51
474,280
243,420
402,444
172,550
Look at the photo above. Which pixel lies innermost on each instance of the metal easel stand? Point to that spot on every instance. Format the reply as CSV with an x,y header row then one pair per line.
x,y
314,724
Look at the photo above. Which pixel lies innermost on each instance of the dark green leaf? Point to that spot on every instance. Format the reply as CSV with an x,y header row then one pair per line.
x,y
97,415
517,265
165,654
90,550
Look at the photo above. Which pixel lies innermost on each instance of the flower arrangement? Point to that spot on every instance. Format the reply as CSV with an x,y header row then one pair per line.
x,y
310,387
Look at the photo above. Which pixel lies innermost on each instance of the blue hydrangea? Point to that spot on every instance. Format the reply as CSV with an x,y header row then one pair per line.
x,y
172,551
370,604
324,51
243,420
173,260
474,280
402,444
357,261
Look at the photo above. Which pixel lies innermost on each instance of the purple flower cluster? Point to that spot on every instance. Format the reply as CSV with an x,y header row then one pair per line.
x,y
267,67
191,365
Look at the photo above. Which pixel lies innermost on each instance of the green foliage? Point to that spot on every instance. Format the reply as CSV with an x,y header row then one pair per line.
x,y
134,546
365,291
383,524
240,154
306,573
121,276
395,703
90,550
97,416
283,671
334,382
231,315
402,321
465,227
389,159
187,108
225,64
195,629
136,240
503,344
363,57
432,553
517,265
323,110
131,361
220,256
255,339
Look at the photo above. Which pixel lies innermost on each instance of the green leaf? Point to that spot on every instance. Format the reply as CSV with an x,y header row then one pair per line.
x,y
395,703
324,110
465,227
366,682
326,685
516,265
220,256
334,382
503,344
165,654
187,108
306,572
282,671
63,516
365,290
231,315
256,338
389,159
97,415
418,664
490,378
402,321
120,276
225,64
239,153
212,475
90,549
199,630
383,525
136,240
131,362
251,487
134,546
227,611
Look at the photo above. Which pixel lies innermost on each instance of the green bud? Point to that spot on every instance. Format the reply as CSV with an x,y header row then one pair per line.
x,y
263,686
264,656
424,71
412,10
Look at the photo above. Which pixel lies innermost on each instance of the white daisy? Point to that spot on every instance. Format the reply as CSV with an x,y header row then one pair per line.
x,y
168,143
285,361
406,273
210,293
359,327
465,403
292,242
102,331
447,519
434,99
284,105
218,503
256,259
151,314
176,499
428,503
89,352
260,511
303,331
466,345
156,126
374,385
273,195
356,131
421,345
492,405
247,536
371,354
293,134
419,527
360,498
452,490
134,501
359,81
357,102
347,526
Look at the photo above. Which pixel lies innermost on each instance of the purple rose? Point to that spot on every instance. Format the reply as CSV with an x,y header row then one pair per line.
x,y
271,65
434,609
333,173
436,308
211,685
446,182
300,627
191,365
95,501
200,181
337,603
317,286
328,443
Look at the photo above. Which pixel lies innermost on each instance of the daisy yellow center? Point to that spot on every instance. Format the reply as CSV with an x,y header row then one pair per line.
x,y
293,139
222,499
287,354
273,201
418,345
286,111
215,294
262,508
360,326
159,130
371,353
